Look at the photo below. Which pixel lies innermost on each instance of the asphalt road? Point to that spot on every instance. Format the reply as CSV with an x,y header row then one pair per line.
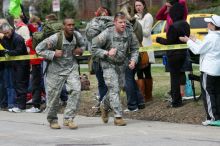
x,y
32,129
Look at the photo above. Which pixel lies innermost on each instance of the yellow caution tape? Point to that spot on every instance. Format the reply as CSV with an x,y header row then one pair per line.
x,y
163,47
21,57
1,47
87,53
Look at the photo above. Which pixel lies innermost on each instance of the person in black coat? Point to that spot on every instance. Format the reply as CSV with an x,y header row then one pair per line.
x,y
176,58
14,46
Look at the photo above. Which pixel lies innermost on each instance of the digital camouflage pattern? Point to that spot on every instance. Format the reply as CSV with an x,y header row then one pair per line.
x,y
62,70
114,68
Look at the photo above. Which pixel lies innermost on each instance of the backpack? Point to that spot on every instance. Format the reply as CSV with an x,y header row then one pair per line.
x,y
49,28
99,24
85,83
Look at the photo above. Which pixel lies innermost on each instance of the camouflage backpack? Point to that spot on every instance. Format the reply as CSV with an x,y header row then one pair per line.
x,y
99,24
85,83
49,28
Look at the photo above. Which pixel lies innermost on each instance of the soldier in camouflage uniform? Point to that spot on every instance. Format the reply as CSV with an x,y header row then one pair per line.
x,y
62,68
114,46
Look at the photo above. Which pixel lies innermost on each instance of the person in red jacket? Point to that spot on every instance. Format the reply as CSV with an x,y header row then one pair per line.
x,y
36,72
163,13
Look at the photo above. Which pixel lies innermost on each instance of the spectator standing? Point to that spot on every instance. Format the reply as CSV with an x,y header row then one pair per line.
x,y
176,58
135,99
163,14
3,95
209,66
145,80
62,68
15,45
36,71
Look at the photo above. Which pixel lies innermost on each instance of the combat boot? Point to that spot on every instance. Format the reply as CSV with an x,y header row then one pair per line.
x,y
54,125
70,124
104,115
119,122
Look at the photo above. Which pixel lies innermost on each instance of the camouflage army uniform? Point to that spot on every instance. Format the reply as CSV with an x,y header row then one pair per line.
x,y
61,70
114,67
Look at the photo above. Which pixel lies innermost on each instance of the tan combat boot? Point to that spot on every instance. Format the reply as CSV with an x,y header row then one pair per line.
x,y
70,123
119,122
104,115
54,125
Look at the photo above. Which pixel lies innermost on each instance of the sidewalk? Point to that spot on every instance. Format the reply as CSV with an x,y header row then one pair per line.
x,y
32,129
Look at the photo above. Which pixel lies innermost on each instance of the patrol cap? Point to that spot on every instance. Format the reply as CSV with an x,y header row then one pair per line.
x,y
214,20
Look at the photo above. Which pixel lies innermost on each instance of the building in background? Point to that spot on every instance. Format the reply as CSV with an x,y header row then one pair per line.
x,y
84,8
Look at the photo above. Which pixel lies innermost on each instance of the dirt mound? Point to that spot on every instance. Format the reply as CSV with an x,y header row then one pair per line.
x,y
191,112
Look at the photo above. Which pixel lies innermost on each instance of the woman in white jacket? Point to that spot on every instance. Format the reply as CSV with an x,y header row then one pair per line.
x,y
209,50
145,81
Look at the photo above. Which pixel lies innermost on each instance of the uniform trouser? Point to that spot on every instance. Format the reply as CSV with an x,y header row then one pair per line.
x,y
36,85
54,87
211,95
64,96
21,74
134,95
114,79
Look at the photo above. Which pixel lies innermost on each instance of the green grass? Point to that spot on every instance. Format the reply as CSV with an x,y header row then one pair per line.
x,y
161,80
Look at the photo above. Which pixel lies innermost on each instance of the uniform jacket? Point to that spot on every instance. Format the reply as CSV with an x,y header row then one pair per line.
x,y
209,52
65,64
126,45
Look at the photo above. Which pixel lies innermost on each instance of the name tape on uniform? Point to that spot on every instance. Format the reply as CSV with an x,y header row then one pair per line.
x,y
86,53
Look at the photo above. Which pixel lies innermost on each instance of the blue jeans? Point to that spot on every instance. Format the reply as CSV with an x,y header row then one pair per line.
x,y
103,89
9,86
3,97
134,97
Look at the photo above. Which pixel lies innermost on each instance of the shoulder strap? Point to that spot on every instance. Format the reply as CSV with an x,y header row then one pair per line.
x,y
59,45
77,39
129,33
59,41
